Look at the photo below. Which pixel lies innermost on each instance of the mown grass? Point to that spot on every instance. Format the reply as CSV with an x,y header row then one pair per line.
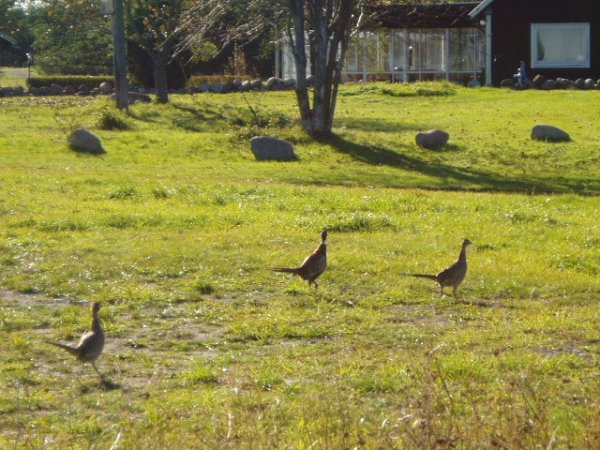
x,y
174,229
15,76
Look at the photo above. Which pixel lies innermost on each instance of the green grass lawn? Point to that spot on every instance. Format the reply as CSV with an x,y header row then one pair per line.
x,y
174,230
15,76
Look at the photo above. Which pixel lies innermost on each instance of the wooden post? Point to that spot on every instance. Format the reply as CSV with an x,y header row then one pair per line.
x,y
119,54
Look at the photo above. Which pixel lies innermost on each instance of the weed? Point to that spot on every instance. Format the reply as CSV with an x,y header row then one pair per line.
x,y
112,120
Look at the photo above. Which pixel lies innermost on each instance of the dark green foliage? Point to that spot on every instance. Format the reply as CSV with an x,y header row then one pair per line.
x,y
72,37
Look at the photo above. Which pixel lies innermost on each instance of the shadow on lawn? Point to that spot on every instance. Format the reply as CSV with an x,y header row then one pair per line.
x,y
195,118
466,178
377,125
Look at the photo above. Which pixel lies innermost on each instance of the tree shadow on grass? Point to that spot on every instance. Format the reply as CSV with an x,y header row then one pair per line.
x,y
193,118
387,126
460,178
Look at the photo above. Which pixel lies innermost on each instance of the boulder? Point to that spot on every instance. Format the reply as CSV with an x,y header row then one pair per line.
x,y
549,133
105,87
507,82
310,80
12,91
236,85
589,83
550,85
564,83
267,148
433,139
291,82
218,88
56,89
245,86
473,84
580,83
85,141
84,89
70,90
539,81
274,84
256,85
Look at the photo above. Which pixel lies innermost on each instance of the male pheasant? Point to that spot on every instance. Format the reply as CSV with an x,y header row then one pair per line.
x,y
314,264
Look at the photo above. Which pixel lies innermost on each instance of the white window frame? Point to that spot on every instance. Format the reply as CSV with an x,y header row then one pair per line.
x,y
580,26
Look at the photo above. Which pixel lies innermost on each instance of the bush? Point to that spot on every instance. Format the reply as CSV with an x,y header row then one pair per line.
x,y
112,120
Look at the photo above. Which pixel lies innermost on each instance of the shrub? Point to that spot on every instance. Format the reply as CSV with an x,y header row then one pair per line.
x,y
112,120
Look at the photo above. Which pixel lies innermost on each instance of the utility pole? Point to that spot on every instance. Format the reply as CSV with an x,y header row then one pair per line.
x,y
119,55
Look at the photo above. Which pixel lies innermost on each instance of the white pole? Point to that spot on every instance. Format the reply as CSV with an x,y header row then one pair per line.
x,y
488,49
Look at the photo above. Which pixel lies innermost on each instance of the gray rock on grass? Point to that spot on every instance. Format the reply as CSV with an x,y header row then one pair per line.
x,y
433,139
549,133
267,148
85,141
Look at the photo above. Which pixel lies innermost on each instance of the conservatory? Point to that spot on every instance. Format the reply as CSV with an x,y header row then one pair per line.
x,y
410,43
456,54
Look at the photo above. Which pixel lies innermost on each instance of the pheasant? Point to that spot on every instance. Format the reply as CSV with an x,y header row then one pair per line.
x,y
314,264
91,343
453,275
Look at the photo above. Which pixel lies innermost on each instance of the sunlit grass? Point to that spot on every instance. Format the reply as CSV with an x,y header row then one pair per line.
x,y
175,228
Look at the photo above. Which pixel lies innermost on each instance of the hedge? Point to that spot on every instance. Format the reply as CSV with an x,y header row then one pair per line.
x,y
68,80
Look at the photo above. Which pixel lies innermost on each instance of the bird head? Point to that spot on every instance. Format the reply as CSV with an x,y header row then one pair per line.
x,y
96,307
324,234
466,242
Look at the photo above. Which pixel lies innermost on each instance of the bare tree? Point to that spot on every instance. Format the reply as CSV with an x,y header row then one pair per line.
x,y
323,28
319,28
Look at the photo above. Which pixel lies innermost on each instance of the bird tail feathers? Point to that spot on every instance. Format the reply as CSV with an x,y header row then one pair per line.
x,y
68,348
285,269
421,275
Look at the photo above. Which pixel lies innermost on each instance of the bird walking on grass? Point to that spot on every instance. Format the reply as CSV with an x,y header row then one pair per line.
x,y
453,276
314,264
91,343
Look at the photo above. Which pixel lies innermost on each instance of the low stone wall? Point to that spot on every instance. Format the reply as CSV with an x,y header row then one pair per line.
x,y
548,84
272,84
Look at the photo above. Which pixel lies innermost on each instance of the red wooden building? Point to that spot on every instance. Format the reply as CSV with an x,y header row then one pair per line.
x,y
481,40
554,38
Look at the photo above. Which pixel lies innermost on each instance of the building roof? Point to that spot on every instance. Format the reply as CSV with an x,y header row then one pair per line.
x,y
480,8
7,38
431,15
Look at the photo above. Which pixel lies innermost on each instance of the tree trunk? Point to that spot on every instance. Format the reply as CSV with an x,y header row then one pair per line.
x,y
330,23
159,69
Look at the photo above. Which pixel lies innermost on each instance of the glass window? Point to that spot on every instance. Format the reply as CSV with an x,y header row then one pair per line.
x,y
467,50
433,44
377,52
560,45
399,51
